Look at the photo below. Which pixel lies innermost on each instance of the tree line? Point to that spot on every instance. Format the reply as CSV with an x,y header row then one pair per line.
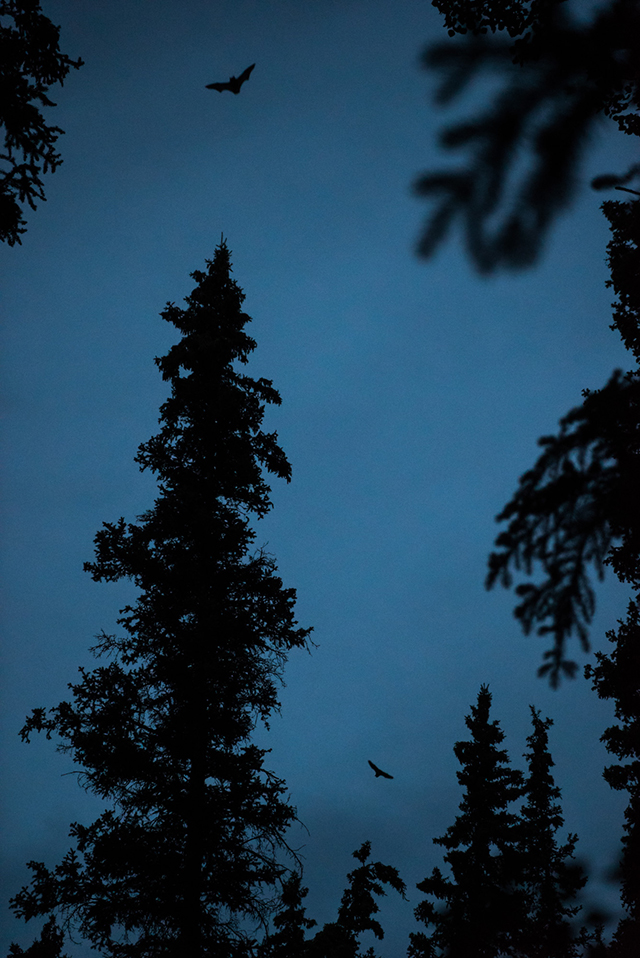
x,y
513,889
190,856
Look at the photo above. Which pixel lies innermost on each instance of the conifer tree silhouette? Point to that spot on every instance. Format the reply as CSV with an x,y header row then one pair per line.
x,y
483,905
340,939
551,879
186,854
616,676
513,890
290,923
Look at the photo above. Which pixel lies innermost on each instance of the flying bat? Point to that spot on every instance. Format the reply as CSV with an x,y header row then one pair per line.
x,y
233,83
379,771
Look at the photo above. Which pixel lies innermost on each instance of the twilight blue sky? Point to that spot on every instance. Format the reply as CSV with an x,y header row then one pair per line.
x,y
413,394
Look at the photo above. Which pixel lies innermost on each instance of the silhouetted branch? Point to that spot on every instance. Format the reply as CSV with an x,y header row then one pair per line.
x,y
30,63
565,515
524,152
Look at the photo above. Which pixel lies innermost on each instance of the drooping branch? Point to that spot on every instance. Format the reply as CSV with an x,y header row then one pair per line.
x,y
568,510
558,78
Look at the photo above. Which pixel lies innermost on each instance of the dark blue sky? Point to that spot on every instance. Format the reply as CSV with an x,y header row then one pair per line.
x,y
413,394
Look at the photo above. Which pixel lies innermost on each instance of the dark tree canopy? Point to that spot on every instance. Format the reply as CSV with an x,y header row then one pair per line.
x,y
616,676
578,507
340,939
560,77
366,882
30,62
624,263
521,19
290,924
577,510
482,908
187,853
563,519
551,879
512,888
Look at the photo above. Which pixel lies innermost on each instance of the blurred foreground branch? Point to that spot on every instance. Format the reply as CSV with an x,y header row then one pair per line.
x,y
558,79
30,62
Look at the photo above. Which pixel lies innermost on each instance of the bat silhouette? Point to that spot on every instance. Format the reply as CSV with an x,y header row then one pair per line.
x,y
233,83
379,771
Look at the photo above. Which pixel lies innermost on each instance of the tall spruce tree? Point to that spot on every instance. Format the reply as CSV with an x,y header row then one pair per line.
x,y
483,911
186,852
550,879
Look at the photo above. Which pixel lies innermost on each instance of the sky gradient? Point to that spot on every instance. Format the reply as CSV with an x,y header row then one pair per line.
x,y
413,395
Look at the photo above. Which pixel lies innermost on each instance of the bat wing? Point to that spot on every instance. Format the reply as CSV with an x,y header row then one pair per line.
x,y
379,771
246,74
218,86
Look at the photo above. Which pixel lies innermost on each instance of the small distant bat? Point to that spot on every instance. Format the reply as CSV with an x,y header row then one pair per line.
x,y
233,83
379,771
